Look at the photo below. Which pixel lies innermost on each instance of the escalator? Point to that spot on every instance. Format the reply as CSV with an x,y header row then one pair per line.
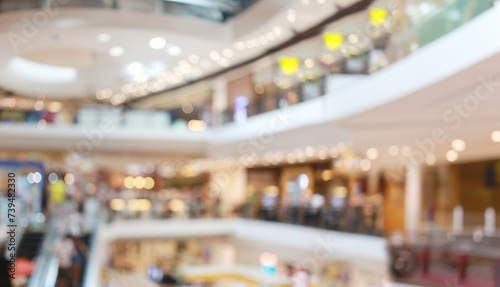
x,y
26,253
47,265
30,244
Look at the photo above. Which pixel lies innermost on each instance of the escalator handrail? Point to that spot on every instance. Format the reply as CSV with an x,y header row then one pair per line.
x,y
89,277
46,263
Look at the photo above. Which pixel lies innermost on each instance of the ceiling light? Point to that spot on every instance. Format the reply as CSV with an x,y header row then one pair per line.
x,y
103,37
430,159
224,62
306,2
277,30
135,68
69,178
53,178
129,182
452,155
157,43
106,93
42,124
39,105
259,89
309,63
118,99
149,182
353,38
37,177
128,88
174,50
54,107
139,182
116,51
194,59
334,152
214,55
393,150
240,45
495,136
30,178
187,108
458,145
117,204
197,125
270,36
348,162
365,164
228,53
291,15
372,153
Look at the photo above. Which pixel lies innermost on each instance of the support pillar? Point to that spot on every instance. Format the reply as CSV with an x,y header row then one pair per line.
x,y
413,198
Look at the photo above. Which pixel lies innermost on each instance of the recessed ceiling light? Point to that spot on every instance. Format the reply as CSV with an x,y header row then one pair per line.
x,y
393,150
309,63
277,30
240,45
495,136
430,159
372,153
118,99
214,55
452,155
103,37
291,15
224,62
157,43
458,145
116,51
135,68
174,50
228,53
194,59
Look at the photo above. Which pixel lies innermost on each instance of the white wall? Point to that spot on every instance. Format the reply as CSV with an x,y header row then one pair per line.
x,y
301,245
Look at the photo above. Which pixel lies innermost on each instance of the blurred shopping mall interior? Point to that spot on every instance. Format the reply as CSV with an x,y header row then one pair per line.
x,y
242,143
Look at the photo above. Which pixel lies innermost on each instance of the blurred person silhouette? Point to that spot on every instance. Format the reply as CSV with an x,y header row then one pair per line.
x,y
80,255
294,200
64,251
217,206
74,223
269,203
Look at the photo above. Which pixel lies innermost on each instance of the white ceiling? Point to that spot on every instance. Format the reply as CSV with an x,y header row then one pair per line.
x,y
69,40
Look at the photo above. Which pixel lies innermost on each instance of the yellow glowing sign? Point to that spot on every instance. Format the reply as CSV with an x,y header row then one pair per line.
x,y
289,65
333,40
378,16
